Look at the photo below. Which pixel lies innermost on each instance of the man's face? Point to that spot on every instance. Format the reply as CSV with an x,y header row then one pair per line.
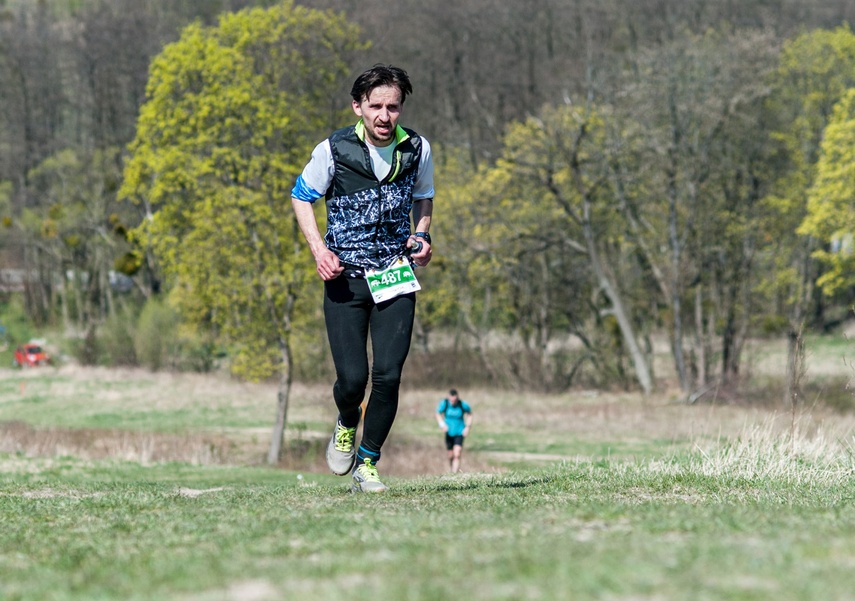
x,y
380,111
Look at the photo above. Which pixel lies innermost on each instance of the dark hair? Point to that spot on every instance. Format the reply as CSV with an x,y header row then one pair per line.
x,y
452,392
381,75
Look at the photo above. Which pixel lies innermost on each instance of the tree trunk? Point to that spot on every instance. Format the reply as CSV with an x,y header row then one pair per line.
x,y
795,367
642,369
480,339
639,361
675,243
700,340
795,342
283,397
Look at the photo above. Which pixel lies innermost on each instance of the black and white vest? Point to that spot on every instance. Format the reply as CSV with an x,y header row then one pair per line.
x,y
368,220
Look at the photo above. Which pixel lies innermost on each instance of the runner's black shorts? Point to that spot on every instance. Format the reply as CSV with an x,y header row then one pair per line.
x,y
450,441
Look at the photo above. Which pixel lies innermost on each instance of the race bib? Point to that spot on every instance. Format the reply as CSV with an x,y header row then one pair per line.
x,y
395,280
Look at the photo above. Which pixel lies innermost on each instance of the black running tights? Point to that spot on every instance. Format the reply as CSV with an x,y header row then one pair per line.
x,y
350,315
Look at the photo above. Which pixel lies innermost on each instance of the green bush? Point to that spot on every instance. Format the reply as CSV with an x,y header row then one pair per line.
x,y
155,339
160,342
13,317
774,325
88,349
116,340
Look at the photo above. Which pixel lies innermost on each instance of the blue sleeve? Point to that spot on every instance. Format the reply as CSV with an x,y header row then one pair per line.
x,y
303,191
442,406
466,407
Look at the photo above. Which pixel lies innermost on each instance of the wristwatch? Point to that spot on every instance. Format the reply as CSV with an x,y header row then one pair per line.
x,y
424,235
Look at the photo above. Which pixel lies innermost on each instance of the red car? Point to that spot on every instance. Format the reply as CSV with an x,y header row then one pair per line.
x,y
30,355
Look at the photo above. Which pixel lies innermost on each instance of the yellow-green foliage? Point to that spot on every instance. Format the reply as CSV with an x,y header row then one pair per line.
x,y
499,236
466,274
816,72
831,204
232,114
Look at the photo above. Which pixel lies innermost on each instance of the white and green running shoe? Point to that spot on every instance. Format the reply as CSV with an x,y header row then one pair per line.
x,y
341,451
366,478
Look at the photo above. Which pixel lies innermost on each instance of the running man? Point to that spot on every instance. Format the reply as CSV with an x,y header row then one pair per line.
x,y
374,175
454,416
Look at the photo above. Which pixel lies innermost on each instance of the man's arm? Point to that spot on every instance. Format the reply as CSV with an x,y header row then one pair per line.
x,y
442,425
467,421
422,213
327,261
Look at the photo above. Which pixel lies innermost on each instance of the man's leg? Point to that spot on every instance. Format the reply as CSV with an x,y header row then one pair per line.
x,y
449,445
456,453
347,312
391,330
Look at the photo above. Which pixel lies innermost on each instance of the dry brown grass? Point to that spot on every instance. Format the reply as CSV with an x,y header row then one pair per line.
x,y
415,446
93,444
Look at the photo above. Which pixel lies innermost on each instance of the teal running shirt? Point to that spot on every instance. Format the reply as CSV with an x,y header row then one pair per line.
x,y
454,415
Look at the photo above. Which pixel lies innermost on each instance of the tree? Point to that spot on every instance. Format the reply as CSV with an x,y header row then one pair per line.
x,y
468,283
831,200
684,159
31,95
75,235
233,112
560,161
815,72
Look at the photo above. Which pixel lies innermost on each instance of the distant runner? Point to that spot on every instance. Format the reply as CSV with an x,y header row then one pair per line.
x,y
454,416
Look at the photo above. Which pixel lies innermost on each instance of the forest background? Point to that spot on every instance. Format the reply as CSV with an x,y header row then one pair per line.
x,y
613,178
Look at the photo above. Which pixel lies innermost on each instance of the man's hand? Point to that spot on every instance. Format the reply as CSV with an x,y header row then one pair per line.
x,y
423,255
329,267
326,260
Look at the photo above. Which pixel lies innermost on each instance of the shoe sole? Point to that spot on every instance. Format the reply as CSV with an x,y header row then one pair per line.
x,y
356,488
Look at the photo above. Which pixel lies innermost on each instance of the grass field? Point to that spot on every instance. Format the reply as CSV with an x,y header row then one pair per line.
x,y
126,485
